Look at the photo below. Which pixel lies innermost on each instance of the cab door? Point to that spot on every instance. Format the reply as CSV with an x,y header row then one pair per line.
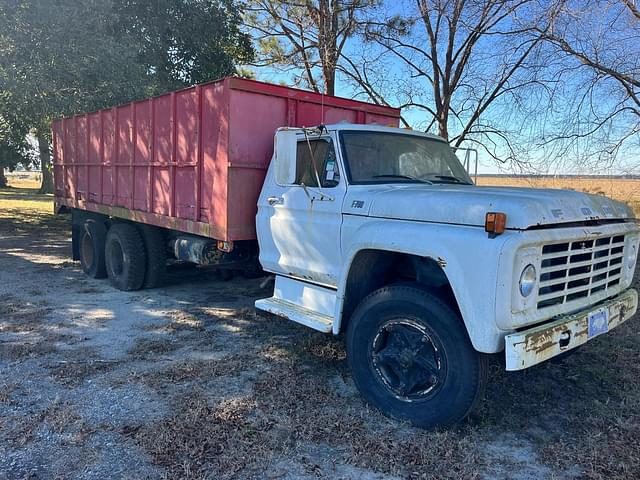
x,y
299,224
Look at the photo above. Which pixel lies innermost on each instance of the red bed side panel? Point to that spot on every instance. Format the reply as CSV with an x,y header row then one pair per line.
x,y
192,160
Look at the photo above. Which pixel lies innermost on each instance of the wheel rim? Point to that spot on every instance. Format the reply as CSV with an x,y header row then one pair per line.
x,y
117,259
87,250
408,360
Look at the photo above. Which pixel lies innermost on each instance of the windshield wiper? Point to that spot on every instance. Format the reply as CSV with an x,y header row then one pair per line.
x,y
449,179
406,177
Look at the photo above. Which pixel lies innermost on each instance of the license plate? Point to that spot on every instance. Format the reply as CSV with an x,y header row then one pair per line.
x,y
598,322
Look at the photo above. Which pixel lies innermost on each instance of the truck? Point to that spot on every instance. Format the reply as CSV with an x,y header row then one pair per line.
x,y
372,232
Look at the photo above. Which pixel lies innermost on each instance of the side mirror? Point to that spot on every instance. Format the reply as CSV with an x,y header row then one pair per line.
x,y
286,149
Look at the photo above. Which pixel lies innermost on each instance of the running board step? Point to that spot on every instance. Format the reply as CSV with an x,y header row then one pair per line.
x,y
302,302
291,311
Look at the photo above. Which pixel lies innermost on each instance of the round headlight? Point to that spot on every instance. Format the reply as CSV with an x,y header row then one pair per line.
x,y
528,280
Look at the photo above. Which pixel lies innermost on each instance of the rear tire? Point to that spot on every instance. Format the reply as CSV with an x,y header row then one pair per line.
x,y
411,357
92,249
156,256
125,257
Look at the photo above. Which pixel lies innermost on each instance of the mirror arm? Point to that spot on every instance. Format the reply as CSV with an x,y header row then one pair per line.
x,y
306,192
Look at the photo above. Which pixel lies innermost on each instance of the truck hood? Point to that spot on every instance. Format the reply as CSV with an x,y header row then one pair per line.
x,y
468,204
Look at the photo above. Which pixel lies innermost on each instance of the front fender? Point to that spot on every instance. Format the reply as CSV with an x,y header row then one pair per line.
x,y
468,257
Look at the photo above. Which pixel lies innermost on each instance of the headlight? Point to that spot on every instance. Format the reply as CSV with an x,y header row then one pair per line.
x,y
528,280
631,255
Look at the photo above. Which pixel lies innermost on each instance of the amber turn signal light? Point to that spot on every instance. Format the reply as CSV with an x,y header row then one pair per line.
x,y
495,222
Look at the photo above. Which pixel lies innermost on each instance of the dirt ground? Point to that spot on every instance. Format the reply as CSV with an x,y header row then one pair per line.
x,y
187,381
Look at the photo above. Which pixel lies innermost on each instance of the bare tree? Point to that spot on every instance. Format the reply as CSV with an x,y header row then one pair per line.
x,y
466,65
597,47
307,36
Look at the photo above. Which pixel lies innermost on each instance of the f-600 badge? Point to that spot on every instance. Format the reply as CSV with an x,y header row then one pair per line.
x,y
357,204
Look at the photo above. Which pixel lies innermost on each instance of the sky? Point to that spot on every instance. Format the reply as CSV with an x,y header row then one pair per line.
x,y
541,159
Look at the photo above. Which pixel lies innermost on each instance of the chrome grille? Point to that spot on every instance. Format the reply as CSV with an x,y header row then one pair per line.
x,y
578,269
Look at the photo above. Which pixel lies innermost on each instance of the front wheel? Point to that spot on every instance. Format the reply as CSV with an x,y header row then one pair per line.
x,y
411,357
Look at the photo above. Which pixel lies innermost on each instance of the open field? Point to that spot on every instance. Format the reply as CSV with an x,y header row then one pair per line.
x,y
622,189
187,381
24,179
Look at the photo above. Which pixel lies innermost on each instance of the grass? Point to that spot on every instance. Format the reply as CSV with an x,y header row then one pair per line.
x,y
293,405
73,373
31,180
151,347
20,201
57,418
23,210
22,196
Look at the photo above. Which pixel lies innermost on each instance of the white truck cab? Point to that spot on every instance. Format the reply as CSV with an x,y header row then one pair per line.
x,y
379,233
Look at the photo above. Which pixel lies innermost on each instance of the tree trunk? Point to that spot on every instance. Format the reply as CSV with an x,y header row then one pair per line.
x,y
45,164
330,80
443,126
3,179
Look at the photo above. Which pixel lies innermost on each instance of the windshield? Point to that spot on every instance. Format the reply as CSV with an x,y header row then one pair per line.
x,y
382,157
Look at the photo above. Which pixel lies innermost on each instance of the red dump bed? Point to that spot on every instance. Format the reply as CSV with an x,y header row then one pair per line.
x,y
192,160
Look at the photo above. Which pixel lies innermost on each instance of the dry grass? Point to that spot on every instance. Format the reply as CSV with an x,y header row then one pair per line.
x,y
24,201
30,180
28,330
624,190
26,213
301,409
292,411
58,418
6,392
148,348
72,372
195,372
201,439
184,320
21,317
20,351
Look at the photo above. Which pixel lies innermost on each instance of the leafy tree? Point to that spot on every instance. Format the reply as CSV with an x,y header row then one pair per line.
x,y
61,57
183,42
14,148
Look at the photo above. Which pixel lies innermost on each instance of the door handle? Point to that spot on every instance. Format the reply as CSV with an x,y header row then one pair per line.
x,y
275,200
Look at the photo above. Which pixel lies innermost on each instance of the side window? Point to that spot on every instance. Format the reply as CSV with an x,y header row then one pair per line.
x,y
321,154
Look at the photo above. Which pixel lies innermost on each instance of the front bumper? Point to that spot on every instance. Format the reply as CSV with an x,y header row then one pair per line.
x,y
530,347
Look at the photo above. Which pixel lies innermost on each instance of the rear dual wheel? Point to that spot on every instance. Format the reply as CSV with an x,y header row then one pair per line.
x,y
92,239
122,253
411,357
125,257
156,256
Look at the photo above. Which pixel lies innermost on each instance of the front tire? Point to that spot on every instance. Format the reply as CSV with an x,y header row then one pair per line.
x,y
125,257
411,357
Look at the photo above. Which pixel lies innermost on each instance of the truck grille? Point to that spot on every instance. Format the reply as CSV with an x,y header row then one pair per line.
x,y
578,269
